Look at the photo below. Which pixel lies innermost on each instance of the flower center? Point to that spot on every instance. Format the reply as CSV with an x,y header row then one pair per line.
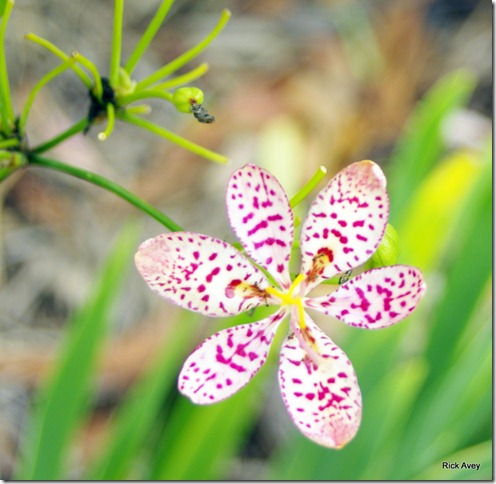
x,y
286,298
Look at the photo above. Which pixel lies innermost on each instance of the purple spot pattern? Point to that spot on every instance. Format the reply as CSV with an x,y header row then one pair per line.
x,y
348,217
322,396
260,214
195,272
343,228
374,299
227,361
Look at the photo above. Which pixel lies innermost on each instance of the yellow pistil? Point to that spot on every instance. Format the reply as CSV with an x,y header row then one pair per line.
x,y
287,298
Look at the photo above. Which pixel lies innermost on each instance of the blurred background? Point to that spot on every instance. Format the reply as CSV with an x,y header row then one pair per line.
x,y
293,85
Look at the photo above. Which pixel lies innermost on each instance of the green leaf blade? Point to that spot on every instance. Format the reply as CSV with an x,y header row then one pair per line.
x,y
65,397
421,144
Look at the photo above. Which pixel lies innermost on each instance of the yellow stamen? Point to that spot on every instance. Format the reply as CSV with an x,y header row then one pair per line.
x,y
287,298
298,279
301,313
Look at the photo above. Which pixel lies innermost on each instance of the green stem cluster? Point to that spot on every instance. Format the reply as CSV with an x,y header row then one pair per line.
x,y
14,151
125,90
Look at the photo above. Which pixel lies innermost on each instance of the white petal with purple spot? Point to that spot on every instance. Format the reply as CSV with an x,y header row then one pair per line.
x,y
375,299
260,214
227,361
319,388
345,223
201,273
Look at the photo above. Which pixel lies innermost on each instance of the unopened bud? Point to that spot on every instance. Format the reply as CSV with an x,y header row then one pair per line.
x,y
125,85
185,97
388,251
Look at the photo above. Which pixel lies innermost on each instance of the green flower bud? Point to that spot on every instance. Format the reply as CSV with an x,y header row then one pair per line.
x,y
387,252
184,97
125,85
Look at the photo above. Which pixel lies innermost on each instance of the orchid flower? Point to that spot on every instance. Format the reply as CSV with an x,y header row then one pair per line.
x,y
343,228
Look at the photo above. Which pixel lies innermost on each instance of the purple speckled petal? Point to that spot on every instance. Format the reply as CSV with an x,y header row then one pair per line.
x,y
375,299
201,273
260,214
345,223
320,389
228,360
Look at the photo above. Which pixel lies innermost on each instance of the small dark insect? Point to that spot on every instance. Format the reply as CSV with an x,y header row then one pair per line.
x,y
345,277
201,114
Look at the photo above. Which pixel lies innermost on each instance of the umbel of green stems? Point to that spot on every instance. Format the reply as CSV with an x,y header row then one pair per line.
x,y
112,97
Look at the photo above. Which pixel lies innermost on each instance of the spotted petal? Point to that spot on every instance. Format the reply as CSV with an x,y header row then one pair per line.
x,y
200,273
375,299
320,389
260,214
227,361
345,223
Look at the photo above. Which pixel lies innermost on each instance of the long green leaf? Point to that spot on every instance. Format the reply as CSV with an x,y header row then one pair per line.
x,y
466,268
199,440
63,400
421,144
139,412
468,265
428,224
453,413
3,4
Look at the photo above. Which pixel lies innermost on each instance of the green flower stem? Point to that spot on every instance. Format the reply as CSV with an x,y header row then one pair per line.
x,y
144,94
103,135
180,61
308,187
97,86
41,83
109,185
7,115
184,78
8,143
164,133
74,129
139,109
85,79
148,35
115,55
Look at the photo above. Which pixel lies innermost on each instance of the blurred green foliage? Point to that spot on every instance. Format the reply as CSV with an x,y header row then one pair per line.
x,y
3,4
64,400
